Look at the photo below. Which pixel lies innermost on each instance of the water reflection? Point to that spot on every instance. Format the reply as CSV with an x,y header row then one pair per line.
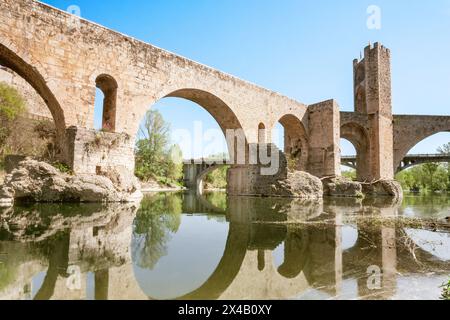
x,y
183,246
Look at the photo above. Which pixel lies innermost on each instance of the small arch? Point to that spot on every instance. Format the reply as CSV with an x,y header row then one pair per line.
x,y
295,141
357,135
108,86
262,133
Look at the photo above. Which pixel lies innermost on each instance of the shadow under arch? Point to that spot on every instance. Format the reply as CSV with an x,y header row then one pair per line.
x,y
12,61
358,136
295,140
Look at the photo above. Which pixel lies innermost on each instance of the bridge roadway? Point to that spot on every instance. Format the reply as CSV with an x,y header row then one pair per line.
x,y
407,162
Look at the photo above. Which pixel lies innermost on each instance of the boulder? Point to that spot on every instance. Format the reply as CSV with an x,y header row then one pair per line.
x,y
342,187
383,188
298,184
35,181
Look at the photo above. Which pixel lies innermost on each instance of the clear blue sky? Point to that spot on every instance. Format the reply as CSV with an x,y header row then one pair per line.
x,y
302,49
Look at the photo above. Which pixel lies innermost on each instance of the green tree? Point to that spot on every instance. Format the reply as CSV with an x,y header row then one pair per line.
x,y
218,178
11,102
155,159
349,174
445,149
12,105
175,163
434,177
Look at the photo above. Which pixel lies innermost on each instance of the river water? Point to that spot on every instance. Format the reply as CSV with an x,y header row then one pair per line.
x,y
184,246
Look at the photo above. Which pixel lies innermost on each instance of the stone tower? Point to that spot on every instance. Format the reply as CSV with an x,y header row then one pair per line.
x,y
372,91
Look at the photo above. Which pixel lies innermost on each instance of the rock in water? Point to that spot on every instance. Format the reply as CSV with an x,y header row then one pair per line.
x,y
35,181
342,187
297,185
383,188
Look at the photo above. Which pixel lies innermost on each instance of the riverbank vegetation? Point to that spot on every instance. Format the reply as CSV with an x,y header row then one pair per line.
x,y
159,160
428,177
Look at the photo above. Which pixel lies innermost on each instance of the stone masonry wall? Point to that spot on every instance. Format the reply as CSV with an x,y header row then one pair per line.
x,y
95,151
324,130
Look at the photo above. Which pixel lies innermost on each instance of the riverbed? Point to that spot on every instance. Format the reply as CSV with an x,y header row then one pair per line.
x,y
180,245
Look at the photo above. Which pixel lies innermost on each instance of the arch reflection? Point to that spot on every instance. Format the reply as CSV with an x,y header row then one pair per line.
x,y
54,252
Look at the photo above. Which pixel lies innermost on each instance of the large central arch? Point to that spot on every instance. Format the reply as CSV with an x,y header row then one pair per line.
x,y
218,109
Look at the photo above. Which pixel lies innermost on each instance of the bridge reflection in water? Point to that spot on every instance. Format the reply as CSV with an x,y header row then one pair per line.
x,y
185,246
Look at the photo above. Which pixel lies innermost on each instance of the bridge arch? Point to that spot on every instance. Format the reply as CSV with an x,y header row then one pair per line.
x,y
216,107
202,175
30,74
409,131
295,140
358,136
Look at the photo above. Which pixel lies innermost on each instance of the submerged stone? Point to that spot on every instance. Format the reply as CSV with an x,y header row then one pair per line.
x,y
383,188
342,187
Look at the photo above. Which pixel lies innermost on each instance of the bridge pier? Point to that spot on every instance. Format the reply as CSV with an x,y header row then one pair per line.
x,y
90,151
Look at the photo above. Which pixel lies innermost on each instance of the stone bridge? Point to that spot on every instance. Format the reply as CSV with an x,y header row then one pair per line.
x,y
195,171
65,58
409,161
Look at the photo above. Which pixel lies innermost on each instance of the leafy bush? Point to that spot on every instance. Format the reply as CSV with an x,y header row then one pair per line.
x,y
64,168
218,178
11,102
350,174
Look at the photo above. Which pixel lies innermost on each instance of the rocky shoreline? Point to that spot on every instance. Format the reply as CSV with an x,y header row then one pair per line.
x,y
35,181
